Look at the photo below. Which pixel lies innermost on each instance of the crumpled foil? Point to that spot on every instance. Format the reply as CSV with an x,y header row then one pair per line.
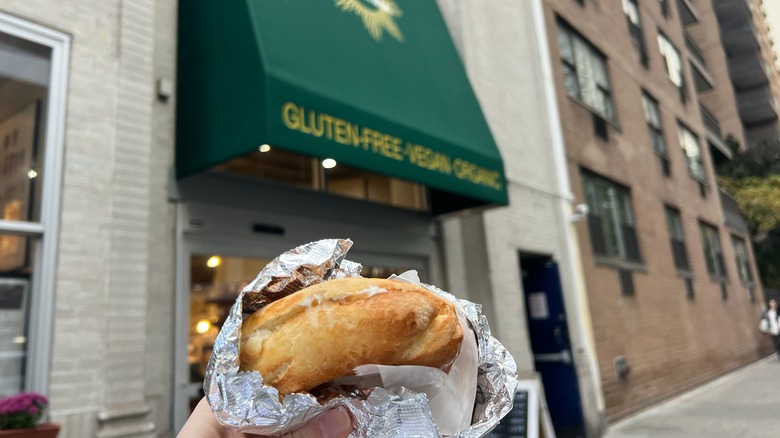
x,y
241,401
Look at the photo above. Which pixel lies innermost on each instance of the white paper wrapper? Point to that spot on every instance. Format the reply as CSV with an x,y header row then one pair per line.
x,y
414,401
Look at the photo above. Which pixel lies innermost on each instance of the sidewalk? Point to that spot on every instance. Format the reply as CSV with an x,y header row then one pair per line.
x,y
743,404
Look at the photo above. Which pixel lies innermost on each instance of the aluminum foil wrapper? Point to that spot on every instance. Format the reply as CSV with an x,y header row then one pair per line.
x,y
241,401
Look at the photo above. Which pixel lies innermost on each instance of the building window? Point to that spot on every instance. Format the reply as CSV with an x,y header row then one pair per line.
x,y
677,239
611,219
631,9
22,96
692,149
653,119
673,64
713,254
33,73
743,263
585,72
289,168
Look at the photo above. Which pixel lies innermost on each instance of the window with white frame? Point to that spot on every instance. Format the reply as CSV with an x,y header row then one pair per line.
x,y
677,238
585,72
692,149
33,74
743,262
653,119
713,255
610,218
673,64
631,9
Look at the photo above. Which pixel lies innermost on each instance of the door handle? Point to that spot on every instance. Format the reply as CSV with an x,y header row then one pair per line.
x,y
562,357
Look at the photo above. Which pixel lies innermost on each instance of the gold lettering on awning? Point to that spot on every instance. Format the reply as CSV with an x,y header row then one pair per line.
x,y
338,130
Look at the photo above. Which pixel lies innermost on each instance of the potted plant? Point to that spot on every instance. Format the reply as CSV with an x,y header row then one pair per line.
x,y
20,416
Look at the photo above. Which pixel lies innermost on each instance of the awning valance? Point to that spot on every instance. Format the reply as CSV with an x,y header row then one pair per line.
x,y
374,84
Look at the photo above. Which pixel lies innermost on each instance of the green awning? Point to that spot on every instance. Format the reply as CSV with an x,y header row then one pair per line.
x,y
374,84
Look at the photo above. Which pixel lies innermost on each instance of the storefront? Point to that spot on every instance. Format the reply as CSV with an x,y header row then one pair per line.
x,y
140,208
299,121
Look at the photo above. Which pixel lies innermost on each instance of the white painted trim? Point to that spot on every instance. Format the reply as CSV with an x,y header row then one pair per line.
x,y
584,328
45,268
182,317
23,228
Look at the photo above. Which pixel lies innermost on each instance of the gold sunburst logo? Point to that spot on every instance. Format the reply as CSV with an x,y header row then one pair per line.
x,y
378,16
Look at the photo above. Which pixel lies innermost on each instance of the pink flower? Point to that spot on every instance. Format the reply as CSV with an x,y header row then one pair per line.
x,y
21,410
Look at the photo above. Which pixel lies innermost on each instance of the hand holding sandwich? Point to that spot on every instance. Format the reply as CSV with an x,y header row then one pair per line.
x,y
335,423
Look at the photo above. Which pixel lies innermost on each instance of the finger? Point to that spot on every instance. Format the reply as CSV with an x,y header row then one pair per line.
x,y
202,423
335,423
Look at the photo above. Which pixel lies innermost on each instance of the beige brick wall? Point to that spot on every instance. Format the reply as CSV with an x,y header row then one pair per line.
x,y
112,324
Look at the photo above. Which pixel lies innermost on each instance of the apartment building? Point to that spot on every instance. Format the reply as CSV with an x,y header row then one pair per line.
x,y
746,37
645,104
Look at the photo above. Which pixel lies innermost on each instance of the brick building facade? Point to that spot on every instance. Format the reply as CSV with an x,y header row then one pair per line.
x,y
110,324
642,89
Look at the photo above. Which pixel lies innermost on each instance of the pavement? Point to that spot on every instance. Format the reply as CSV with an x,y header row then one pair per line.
x,y
742,404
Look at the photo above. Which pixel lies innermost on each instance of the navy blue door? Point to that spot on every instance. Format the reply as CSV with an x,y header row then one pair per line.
x,y
549,333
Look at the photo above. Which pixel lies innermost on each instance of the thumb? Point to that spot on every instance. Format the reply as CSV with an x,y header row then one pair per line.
x,y
335,423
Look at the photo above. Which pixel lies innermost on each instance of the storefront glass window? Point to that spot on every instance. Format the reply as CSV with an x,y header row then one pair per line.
x,y
14,311
273,164
25,71
215,281
24,85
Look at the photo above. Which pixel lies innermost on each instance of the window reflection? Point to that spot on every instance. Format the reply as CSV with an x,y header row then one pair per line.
x,y
24,85
15,274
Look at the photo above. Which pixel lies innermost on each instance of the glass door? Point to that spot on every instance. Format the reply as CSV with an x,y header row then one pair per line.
x,y
213,281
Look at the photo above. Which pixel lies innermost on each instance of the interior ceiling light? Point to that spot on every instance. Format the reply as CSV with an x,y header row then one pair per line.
x,y
329,163
264,148
214,261
203,326
32,173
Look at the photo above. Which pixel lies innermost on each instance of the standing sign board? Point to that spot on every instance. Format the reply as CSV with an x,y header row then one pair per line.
x,y
528,418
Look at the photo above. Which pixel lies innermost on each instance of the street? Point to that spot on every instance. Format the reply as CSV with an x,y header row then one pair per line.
x,y
742,404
